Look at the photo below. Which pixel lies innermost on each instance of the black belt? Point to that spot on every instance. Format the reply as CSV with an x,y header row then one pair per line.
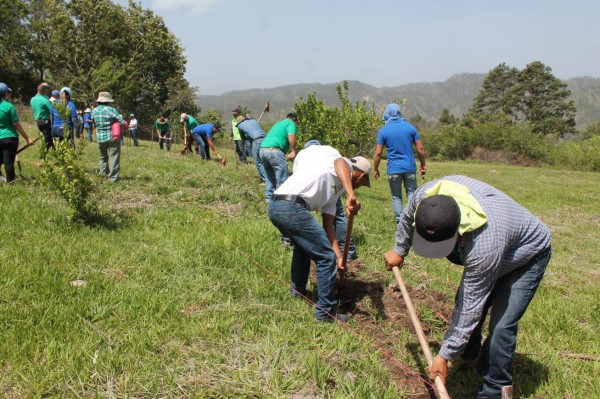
x,y
290,198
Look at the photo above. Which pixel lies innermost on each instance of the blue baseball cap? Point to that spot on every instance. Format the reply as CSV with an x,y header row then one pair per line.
x,y
312,142
4,89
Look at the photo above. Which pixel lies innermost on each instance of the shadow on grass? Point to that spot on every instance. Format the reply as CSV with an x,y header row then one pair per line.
x,y
104,220
463,380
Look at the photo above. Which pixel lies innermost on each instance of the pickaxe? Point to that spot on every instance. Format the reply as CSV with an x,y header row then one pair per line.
x,y
267,108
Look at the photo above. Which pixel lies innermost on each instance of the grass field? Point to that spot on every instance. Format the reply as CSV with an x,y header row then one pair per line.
x,y
181,291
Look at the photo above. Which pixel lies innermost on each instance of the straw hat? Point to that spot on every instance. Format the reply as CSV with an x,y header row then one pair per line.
x,y
105,97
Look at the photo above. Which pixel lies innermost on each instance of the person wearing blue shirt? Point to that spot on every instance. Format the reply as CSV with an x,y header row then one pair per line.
x,y
398,137
87,123
252,130
57,124
203,135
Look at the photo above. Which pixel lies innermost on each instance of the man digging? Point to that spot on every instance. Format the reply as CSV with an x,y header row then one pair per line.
x,y
504,250
317,185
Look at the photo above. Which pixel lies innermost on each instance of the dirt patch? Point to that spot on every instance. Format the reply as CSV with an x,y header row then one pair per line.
x,y
131,199
502,156
378,312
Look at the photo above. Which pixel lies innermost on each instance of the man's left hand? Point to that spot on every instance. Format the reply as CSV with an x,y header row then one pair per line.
x,y
438,367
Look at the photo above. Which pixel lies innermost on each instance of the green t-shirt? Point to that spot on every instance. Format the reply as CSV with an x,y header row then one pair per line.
x,y
41,107
235,132
8,116
278,135
191,123
163,127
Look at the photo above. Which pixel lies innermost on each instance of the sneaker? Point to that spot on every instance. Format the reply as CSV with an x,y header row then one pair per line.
x,y
344,318
287,244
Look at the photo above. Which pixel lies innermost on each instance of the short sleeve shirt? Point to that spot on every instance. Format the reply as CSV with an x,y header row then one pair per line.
x,y
315,180
398,137
206,130
278,135
8,116
162,127
41,106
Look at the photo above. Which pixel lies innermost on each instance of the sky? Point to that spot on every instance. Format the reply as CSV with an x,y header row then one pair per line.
x,y
244,44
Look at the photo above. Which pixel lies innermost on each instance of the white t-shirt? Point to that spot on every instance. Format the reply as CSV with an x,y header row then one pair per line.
x,y
314,179
133,124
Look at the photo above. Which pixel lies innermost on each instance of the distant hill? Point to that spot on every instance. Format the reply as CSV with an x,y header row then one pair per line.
x,y
426,99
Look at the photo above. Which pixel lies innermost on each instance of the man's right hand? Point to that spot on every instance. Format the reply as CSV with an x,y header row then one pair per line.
x,y
376,174
393,259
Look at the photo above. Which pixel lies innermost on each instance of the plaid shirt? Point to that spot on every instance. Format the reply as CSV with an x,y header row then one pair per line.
x,y
511,238
103,117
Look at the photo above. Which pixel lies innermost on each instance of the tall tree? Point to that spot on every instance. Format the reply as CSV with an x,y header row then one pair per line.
x,y
532,95
497,94
543,100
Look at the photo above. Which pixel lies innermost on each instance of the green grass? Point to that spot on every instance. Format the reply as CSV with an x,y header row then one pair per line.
x,y
180,298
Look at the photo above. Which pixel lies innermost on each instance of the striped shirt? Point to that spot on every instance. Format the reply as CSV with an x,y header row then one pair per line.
x,y
511,238
103,117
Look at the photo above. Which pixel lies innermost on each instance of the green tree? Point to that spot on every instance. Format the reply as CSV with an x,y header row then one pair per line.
x,y
532,95
543,100
446,118
497,94
349,128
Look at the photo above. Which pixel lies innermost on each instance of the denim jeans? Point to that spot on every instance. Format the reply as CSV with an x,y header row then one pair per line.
x,y
410,185
166,140
310,243
240,150
509,300
257,162
202,145
341,227
89,133
248,148
134,136
276,170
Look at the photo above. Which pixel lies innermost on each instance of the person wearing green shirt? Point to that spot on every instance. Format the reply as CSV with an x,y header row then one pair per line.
x,y
280,139
10,128
41,107
240,143
189,123
163,129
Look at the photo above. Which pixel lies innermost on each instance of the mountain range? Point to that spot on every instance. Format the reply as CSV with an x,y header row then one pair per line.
x,y
425,99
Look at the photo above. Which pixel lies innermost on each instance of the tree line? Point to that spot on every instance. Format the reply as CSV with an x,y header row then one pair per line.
x,y
92,46
522,116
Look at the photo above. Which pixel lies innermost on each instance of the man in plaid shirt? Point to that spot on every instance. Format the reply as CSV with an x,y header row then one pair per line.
x,y
504,250
103,117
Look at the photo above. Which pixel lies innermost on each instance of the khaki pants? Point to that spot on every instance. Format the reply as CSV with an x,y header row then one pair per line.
x,y
110,159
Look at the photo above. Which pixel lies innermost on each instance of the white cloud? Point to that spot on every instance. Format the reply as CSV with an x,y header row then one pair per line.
x,y
196,7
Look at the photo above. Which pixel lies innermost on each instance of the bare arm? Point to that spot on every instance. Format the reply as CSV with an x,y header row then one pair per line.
x,y
328,221
22,132
377,160
344,173
293,142
212,146
421,152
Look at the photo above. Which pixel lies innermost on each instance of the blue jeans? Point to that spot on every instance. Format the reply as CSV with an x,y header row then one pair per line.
x,y
410,185
257,162
240,150
276,170
166,140
311,243
203,145
341,227
509,300
89,133
133,133
248,146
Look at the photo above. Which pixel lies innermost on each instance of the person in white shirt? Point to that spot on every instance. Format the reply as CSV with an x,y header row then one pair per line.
x,y
321,176
133,130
